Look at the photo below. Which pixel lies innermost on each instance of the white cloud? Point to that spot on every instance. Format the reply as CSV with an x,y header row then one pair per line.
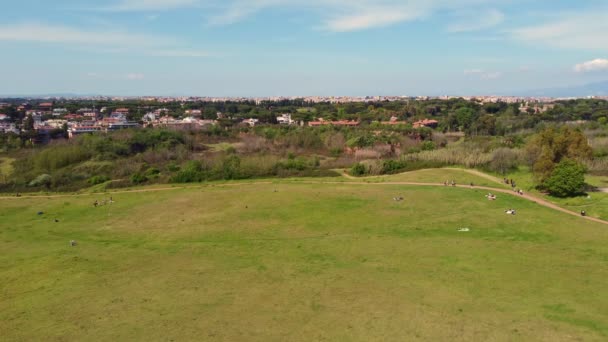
x,y
473,71
491,75
337,15
483,74
41,33
475,21
343,15
599,64
582,30
135,76
149,5
99,40
369,19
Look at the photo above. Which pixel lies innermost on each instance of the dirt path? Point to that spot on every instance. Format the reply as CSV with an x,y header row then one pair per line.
x,y
534,199
478,174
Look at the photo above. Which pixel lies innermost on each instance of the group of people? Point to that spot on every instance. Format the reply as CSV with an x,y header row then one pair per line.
x,y
491,197
452,183
104,202
510,182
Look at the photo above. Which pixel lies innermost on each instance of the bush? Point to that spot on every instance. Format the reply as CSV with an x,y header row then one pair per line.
x,y
42,180
98,180
358,170
567,179
427,146
152,172
503,160
138,178
192,172
172,167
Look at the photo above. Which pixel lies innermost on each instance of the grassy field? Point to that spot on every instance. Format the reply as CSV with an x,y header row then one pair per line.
x,y
594,203
6,167
301,262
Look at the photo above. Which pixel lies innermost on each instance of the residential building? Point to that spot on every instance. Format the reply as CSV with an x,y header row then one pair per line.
x,y
285,119
59,111
426,123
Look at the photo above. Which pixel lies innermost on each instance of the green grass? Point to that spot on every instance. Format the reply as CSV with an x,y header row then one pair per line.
x,y
220,147
595,203
290,261
6,166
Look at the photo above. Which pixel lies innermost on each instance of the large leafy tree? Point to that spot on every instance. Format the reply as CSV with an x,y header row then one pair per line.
x,y
567,179
551,146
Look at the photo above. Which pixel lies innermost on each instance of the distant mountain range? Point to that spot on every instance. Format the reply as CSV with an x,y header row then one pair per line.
x,y
590,89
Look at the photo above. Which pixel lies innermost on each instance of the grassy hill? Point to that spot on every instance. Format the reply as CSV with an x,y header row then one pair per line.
x,y
289,260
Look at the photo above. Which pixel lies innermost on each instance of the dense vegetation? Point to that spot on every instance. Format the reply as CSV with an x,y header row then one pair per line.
x,y
496,137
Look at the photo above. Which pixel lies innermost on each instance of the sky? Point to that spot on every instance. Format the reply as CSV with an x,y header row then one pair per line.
x,y
300,47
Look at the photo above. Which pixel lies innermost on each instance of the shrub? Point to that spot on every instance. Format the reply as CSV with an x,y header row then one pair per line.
x,y
138,178
98,180
42,180
503,160
392,166
358,170
427,146
192,172
152,172
567,179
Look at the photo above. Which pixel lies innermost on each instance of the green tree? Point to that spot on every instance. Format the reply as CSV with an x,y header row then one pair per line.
x,y
567,179
546,149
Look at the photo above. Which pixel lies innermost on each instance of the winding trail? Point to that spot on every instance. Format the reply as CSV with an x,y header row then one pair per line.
x,y
352,181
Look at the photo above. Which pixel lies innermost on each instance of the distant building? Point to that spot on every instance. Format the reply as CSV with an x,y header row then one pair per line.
x,y
251,122
426,123
46,106
8,127
78,130
194,112
124,111
122,125
59,111
285,119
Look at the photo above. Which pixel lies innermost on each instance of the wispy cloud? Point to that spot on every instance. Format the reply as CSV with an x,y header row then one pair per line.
x,y
372,18
582,30
336,15
135,76
148,5
483,74
100,40
477,20
599,64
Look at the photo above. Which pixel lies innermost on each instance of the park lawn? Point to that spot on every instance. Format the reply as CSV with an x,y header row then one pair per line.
x,y
439,176
594,203
289,261
597,181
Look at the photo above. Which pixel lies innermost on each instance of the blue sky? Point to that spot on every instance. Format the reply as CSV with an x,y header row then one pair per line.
x,y
300,47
